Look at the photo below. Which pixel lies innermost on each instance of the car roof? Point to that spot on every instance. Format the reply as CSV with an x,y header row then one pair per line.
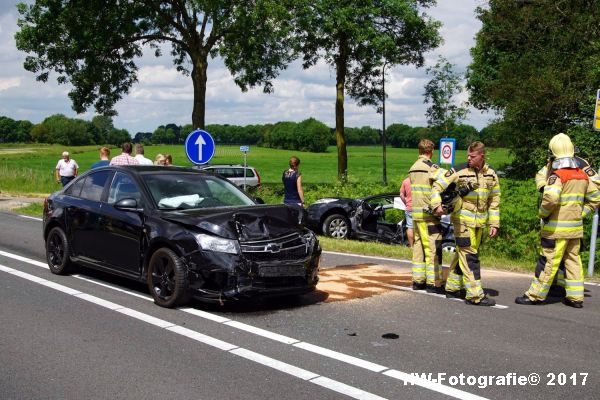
x,y
221,166
149,168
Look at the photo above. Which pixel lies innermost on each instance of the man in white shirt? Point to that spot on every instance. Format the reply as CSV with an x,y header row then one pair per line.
x,y
139,155
66,169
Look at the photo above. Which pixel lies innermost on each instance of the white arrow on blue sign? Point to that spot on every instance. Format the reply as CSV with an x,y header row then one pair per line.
x,y
199,146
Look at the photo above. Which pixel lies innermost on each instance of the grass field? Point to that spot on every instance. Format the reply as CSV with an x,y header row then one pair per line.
x,y
29,169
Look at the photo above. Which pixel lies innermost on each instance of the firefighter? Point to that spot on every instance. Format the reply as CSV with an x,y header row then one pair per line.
x,y
569,195
480,206
427,253
558,285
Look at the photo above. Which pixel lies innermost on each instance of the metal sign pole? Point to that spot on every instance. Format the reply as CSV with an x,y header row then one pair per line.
x,y
245,165
592,259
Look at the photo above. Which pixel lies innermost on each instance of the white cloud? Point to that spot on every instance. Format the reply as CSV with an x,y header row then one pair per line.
x,y
163,95
7,83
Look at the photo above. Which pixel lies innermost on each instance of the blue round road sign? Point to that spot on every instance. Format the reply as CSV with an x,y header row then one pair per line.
x,y
199,147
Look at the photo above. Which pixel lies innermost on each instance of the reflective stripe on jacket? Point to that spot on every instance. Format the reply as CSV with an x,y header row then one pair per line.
x,y
542,175
422,174
568,196
480,206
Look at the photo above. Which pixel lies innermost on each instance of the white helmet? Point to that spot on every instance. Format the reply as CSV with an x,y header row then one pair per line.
x,y
561,146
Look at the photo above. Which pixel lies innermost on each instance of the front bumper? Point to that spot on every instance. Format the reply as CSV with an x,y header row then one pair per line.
x,y
220,277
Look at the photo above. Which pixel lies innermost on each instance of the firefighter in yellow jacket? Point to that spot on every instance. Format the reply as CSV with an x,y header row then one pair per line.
x,y
478,207
558,285
427,263
569,195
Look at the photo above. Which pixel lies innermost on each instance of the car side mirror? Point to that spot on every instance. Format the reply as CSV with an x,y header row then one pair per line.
x,y
127,204
259,200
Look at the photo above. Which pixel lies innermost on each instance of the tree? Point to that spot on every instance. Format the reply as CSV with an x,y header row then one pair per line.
x,y
7,127
440,92
67,131
311,135
93,44
103,125
358,38
401,135
537,64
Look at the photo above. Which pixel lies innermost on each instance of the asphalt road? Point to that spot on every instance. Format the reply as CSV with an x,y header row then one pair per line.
x,y
362,335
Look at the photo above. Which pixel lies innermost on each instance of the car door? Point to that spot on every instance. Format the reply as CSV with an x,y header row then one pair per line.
x,y
120,232
377,219
84,214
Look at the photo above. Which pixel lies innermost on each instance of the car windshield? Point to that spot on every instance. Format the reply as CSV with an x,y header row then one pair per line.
x,y
190,190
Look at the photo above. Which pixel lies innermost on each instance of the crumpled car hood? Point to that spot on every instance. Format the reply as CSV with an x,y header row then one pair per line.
x,y
257,222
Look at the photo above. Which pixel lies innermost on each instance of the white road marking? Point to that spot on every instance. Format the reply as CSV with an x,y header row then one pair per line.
x,y
275,364
369,257
423,292
344,389
202,338
341,357
261,332
61,288
280,366
29,217
297,343
117,289
24,259
437,387
204,314
98,301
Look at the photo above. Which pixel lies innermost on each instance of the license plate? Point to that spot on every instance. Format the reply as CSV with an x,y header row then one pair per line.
x,y
283,270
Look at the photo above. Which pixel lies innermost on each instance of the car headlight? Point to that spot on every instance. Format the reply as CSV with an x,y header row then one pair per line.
x,y
221,245
325,201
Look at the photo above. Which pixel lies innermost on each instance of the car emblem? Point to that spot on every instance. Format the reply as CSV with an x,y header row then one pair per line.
x,y
273,247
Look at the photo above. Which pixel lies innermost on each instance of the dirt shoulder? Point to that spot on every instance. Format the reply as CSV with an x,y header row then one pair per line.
x,y
10,203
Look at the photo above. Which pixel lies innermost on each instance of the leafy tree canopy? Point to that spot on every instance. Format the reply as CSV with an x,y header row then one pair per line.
x,y
440,94
538,64
358,38
93,44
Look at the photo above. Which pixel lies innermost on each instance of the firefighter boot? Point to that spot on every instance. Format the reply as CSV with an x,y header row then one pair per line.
x,y
526,301
573,303
486,301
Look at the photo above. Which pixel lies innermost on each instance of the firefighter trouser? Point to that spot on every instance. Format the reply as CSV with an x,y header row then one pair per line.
x,y
559,279
468,272
453,267
427,253
555,251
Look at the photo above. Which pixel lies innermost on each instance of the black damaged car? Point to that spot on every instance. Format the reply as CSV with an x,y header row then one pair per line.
x,y
183,232
377,218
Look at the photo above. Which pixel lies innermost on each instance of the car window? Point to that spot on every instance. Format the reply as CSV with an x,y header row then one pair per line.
x,y
181,191
75,188
249,173
226,172
94,186
123,187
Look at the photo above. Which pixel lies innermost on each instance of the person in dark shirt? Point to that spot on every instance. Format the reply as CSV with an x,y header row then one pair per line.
x,y
104,160
292,183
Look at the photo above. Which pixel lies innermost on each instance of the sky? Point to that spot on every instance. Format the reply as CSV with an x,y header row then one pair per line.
x,y
162,95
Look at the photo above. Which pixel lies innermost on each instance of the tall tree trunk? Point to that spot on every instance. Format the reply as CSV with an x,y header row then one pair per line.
x,y
340,136
199,77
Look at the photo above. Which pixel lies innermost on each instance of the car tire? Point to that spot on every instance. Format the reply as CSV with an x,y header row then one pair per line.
x,y
167,279
336,226
58,252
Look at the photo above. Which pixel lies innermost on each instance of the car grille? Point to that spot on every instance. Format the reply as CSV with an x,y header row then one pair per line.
x,y
287,248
